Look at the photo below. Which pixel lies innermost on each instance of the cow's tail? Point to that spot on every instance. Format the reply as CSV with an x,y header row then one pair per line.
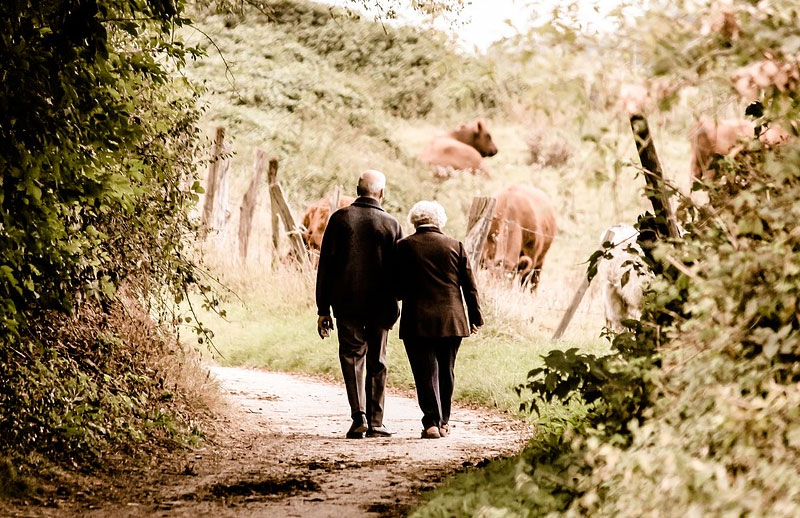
x,y
524,266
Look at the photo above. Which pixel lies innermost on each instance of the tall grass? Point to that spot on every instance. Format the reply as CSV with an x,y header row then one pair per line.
x,y
270,322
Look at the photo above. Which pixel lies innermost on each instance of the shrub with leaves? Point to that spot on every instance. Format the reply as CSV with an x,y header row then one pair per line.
x,y
98,145
696,411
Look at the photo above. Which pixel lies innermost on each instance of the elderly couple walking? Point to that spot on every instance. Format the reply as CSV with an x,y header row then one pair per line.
x,y
365,267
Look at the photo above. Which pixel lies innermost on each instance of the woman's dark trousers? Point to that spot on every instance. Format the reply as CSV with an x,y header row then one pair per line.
x,y
432,361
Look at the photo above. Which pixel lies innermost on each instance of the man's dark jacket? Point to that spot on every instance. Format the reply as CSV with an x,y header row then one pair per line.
x,y
356,264
433,271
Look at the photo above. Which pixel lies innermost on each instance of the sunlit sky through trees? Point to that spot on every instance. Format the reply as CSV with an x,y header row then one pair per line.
x,y
482,22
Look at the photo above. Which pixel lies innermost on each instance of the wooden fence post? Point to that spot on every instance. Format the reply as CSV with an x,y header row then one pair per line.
x,y
576,299
281,208
215,205
479,220
334,199
272,179
667,225
249,202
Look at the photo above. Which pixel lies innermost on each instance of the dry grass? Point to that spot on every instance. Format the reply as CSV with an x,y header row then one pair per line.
x,y
270,323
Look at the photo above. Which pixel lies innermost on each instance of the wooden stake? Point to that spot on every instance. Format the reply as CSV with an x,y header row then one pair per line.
x,y
478,222
666,223
576,299
334,200
281,208
272,179
215,205
249,202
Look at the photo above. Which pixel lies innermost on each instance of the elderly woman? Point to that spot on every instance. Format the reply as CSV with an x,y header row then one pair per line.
x,y
432,273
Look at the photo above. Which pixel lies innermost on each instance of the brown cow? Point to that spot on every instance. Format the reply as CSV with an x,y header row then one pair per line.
x,y
315,220
462,149
521,232
725,137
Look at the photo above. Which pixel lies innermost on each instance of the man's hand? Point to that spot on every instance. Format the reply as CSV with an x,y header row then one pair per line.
x,y
324,326
474,329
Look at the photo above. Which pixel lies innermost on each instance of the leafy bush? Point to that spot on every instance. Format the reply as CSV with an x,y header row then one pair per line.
x,y
98,146
81,384
696,411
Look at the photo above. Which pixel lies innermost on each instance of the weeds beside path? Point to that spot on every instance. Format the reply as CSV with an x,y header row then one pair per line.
x,y
280,451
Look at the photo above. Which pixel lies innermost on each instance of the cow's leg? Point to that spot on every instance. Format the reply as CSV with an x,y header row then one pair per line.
x,y
533,279
537,270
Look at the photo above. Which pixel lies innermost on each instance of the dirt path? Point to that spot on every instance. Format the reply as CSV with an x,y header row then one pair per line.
x,y
280,452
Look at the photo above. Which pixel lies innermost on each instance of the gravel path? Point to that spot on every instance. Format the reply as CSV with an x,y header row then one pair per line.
x,y
279,451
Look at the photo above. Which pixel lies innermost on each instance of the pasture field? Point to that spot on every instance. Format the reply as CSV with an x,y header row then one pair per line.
x,y
274,327
313,97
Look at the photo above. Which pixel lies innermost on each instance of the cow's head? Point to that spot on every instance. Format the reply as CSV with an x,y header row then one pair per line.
x,y
314,223
482,139
476,135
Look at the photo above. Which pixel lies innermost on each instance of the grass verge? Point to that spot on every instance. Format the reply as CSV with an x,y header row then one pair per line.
x,y
274,328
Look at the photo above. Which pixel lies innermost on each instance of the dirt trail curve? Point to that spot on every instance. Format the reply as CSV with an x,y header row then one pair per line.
x,y
280,452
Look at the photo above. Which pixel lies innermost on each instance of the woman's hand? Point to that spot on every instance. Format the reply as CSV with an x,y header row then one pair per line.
x,y
474,329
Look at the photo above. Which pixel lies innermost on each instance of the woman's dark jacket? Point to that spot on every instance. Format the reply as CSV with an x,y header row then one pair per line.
x,y
432,273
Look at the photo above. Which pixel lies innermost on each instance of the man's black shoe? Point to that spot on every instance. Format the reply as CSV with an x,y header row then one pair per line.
x,y
379,431
358,428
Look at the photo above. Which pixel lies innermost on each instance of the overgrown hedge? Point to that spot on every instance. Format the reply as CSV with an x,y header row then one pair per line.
x,y
696,411
98,146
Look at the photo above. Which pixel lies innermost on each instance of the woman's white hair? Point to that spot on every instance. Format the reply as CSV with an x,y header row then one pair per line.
x,y
427,213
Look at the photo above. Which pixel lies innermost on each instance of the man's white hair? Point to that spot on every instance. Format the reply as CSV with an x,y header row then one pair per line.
x,y
371,182
427,213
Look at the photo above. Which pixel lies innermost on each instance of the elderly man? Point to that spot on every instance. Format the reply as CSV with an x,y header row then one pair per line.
x,y
354,278
433,272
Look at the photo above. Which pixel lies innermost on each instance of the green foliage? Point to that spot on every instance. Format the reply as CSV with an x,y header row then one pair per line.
x,y
616,391
405,71
714,430
95,147
98,145
81,385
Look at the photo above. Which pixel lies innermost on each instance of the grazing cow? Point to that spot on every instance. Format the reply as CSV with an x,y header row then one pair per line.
x,y
622,277
521,233
462,149
725,137
315,220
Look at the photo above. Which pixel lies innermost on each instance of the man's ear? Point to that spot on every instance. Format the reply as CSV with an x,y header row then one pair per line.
x,y
381,195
